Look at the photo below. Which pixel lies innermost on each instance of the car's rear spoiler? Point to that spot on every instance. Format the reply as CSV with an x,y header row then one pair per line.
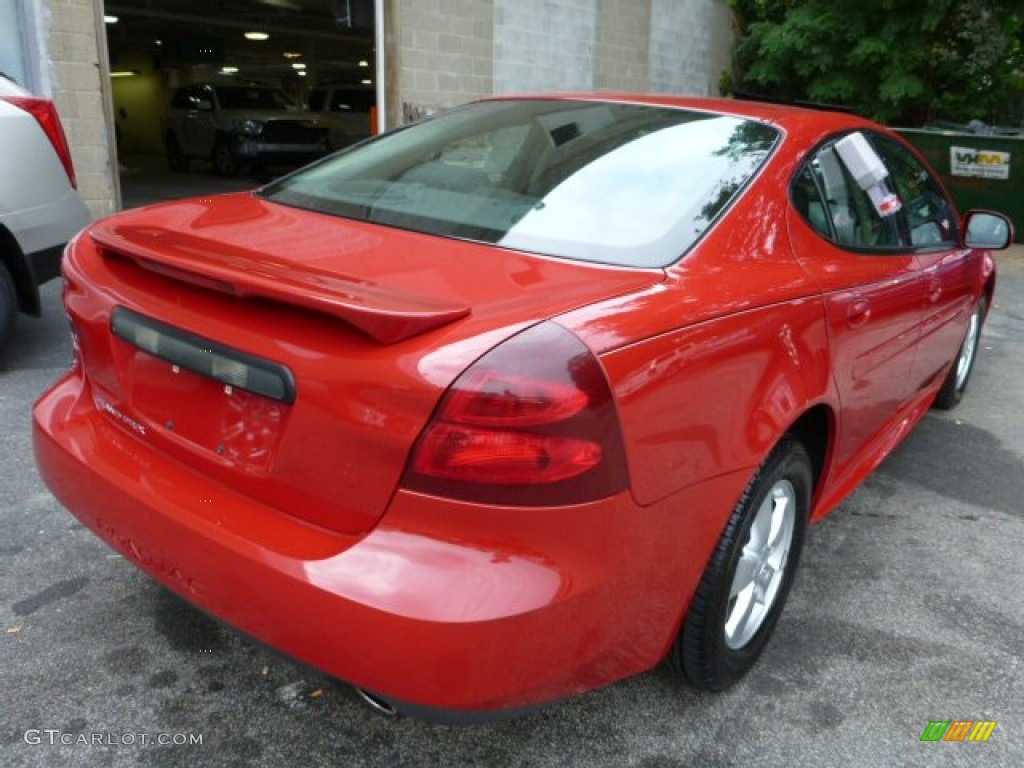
x,y
385,314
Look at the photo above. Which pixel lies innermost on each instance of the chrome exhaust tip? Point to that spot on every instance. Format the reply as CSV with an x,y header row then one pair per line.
x,y
376,703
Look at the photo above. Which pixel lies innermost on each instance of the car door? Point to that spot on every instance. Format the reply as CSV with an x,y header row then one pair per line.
x,y
872,287
950,273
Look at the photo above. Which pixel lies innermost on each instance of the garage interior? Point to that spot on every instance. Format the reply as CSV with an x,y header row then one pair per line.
x,y
156,46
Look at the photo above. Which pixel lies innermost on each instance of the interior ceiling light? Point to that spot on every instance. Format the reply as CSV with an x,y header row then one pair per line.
x,y
298,65
292,55
364,63
367,82
302,73
158,42
257,36
228,70
108,19
124,73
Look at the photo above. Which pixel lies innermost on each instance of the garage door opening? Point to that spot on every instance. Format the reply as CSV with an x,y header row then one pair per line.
x,y
217,95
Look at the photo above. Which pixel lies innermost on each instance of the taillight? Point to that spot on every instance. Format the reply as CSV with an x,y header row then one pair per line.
x,y
531,423
45,114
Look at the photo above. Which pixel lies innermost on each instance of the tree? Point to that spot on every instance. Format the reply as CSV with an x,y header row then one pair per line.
x,y
898,61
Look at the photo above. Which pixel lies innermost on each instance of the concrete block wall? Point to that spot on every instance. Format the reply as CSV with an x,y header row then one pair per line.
x,y
442,53
690,46
544,46
71,32
623,36
447,52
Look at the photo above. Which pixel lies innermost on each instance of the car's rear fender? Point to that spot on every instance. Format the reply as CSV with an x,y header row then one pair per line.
x,y
714,398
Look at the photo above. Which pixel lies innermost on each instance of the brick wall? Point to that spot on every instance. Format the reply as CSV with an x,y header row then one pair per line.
x,y
71,30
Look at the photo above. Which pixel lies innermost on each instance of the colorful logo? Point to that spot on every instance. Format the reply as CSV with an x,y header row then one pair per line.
x,y
958,730
982,163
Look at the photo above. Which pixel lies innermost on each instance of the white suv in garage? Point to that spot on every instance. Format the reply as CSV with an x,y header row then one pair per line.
x,y
344,110
238,126
40,209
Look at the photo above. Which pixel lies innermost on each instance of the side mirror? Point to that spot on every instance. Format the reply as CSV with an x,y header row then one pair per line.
x,y
987,229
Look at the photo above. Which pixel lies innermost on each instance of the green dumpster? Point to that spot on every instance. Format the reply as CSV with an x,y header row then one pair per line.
x,y
979,171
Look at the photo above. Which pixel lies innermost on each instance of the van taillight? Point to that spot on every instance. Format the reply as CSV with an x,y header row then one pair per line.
x,y
531,423
45,114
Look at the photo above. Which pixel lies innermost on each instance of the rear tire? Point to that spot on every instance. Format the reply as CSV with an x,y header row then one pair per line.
x,y
8,306
953,388
745,585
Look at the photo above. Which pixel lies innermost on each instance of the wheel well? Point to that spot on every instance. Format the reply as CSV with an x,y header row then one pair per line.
x,y
990,290
24,284
814,431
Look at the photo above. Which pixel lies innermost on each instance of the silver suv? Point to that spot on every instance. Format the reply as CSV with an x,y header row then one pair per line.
x,y
238,127
344,110
40,209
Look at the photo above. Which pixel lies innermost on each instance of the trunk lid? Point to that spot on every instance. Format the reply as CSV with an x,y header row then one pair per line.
x,y
295,356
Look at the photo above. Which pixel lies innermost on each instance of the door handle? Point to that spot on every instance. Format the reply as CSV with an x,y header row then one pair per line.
x,y
858,313
934,289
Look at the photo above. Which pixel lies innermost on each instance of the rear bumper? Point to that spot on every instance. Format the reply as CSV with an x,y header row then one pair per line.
x,y
42,231
45,264
442,609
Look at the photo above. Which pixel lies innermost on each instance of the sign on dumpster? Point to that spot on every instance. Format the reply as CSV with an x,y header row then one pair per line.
x,y
979,163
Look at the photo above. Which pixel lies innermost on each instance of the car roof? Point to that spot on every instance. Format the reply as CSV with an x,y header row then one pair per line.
x,y
796,122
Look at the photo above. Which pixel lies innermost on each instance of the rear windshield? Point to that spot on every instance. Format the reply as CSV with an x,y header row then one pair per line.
x,y
617,184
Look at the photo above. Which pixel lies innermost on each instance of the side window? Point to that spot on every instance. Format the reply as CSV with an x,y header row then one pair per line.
x,y
829,198
192,96
931,217
808,201
351,100
340,101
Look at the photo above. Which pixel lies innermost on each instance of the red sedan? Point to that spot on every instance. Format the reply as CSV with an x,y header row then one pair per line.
x,y
520,400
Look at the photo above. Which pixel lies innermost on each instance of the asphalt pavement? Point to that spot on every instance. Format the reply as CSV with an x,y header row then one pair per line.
x,y
909,608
